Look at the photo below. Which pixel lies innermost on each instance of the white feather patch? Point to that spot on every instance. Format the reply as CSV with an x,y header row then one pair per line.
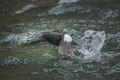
x,y
67,38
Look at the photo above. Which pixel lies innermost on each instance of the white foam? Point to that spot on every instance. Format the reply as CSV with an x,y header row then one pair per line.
x,y
48,55
23,37
61,9
109,14
67,1
19,38
25,8
11,60
92,43
89,46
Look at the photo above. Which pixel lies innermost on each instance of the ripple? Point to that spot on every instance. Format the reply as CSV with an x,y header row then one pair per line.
x,y
109,14
25,8
60,9
115,69
67,1
11,61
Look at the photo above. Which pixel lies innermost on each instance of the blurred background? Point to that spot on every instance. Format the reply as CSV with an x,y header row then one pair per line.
x,y
21,19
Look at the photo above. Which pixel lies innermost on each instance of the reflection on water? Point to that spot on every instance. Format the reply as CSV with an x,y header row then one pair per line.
x,y
99,20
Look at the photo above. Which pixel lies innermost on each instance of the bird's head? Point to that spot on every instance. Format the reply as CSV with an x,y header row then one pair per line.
x,y
67,38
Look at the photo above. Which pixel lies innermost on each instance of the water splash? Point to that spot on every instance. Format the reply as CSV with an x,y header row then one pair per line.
x,y
90,45
18,38
22,38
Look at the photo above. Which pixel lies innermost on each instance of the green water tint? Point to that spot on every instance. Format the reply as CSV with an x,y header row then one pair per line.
x,y
42,61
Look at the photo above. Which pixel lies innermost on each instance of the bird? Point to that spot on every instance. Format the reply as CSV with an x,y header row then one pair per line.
x,y
65,44
63,41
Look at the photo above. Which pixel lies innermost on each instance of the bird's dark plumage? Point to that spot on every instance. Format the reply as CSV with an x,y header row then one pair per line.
x,y
57,39
52,37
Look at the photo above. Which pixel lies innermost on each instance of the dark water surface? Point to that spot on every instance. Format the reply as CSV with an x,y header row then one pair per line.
x,y
21,19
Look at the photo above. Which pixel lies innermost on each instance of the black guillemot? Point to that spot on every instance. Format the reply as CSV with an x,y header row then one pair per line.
x,y
64,41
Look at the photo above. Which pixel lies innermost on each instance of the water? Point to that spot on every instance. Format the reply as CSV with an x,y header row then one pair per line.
x,y
94,25
90,45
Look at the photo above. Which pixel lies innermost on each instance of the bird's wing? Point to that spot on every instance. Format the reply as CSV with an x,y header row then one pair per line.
x,y
36,39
